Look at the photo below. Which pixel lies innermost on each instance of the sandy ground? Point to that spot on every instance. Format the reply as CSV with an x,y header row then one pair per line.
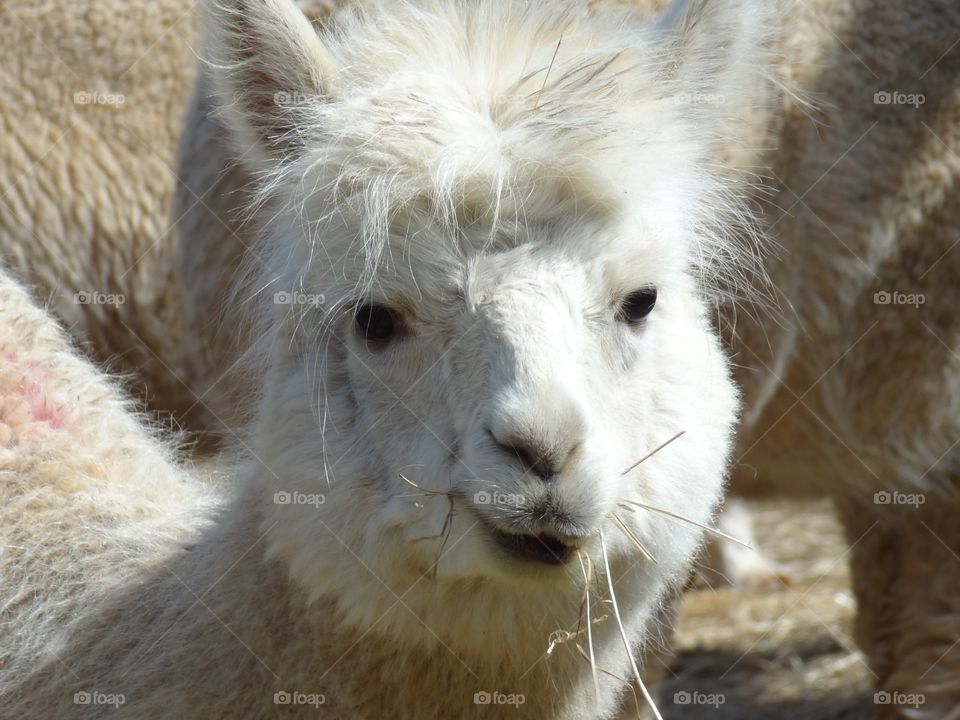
x,y
779,652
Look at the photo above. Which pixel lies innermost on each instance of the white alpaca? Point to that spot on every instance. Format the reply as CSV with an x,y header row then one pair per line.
x,y
507,248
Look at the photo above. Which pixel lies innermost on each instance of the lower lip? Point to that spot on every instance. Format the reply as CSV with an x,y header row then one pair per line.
x,y
534,549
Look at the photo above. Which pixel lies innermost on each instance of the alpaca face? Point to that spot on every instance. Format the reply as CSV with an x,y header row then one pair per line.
x,y
499,237
552,366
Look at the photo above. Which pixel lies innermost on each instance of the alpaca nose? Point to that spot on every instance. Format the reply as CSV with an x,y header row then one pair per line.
x,y
541,456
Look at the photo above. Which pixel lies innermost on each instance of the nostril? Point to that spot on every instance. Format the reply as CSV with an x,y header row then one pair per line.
x,y
533,457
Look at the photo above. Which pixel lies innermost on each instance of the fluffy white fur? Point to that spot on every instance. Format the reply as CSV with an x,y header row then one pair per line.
x,y
503,187
86,549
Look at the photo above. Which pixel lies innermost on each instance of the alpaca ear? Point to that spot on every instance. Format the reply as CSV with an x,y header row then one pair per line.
x,y
718,50
269,67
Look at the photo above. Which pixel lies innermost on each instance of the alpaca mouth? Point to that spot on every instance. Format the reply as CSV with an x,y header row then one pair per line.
x,y
539,547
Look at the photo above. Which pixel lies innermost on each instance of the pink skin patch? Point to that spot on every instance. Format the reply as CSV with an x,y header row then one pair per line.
x,y
43,407
27,382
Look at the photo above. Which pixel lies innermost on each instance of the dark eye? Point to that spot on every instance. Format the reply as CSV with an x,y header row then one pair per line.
x,y
635,307
376,323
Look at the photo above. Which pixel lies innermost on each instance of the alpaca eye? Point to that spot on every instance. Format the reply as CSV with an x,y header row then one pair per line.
x,y
376,323
637,305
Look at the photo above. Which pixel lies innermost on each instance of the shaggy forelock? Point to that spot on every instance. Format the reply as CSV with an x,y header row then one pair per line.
x,y
449,120
501,110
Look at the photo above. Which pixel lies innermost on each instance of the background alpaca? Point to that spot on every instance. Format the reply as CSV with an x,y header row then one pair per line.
x,y
855,395
93,99
557,300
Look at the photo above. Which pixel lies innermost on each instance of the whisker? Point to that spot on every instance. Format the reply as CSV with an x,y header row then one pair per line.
x,y
636,541
704,571
549,68
587,569
623,632
653,452
719,533
444,534
412,484
626,682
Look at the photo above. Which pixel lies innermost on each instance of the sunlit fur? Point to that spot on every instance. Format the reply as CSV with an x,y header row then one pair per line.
x,y
504,189
503,175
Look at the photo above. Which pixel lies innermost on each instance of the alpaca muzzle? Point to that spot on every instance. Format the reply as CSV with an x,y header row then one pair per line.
x,y
539,531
